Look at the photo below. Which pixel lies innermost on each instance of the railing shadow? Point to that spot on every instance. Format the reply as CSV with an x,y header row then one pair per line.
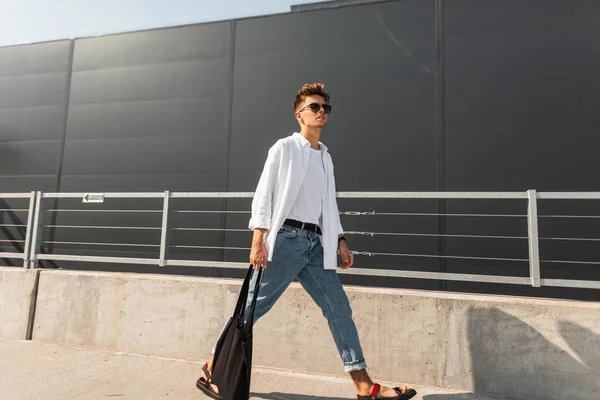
x,y
512,360
586,345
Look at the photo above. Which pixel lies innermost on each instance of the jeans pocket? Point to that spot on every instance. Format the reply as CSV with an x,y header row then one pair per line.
x,y
288,232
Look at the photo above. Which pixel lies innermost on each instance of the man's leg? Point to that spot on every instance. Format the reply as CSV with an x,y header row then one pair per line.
x,y
326,290
288,261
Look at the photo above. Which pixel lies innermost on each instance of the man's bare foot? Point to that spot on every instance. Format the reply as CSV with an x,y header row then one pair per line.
x,y
379,392
369,389
389,392
204,383
207,379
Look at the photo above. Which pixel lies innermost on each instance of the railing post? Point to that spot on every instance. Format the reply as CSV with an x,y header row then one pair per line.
x,y
164,234
26,250
534,249
36,234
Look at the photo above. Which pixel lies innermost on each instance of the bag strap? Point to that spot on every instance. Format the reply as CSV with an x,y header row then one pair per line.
x,y
240,308
254,298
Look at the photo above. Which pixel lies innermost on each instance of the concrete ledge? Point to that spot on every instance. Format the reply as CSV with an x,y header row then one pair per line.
x,y
16,291
507,347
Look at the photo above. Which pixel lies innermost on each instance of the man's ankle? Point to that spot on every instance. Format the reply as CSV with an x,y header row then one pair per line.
x,y
362,382
365,391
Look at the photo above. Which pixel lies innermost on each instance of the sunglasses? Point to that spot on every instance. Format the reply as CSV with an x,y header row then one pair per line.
x,y
316,107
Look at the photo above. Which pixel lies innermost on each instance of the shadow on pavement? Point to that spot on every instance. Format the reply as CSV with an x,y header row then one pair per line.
x,y
291,396
512,360
456,396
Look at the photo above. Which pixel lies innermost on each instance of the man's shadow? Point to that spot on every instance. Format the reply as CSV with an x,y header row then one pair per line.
x,y
291,396
512,360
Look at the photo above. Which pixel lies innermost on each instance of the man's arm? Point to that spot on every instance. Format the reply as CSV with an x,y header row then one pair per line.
x,y
345,253
258,253
262,208
262,202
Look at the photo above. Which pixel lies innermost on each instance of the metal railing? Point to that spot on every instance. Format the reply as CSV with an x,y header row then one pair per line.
x,y
23,252
38,201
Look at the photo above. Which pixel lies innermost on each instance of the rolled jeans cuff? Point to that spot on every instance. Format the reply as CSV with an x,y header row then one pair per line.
x,y
355,366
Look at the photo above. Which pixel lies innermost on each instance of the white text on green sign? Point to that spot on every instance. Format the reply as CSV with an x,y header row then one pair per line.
x,y
93,198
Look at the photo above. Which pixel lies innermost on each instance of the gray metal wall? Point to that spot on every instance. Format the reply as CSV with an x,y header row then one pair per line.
x,y
428,95
33,100
34,92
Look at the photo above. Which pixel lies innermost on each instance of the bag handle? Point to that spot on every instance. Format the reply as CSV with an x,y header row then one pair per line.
x,y
240,308
254,298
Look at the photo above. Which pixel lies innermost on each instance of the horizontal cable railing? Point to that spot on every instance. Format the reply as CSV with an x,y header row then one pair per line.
x,y
163,211
12,218
545,197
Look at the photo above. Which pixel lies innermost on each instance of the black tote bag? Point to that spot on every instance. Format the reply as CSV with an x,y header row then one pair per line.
x,y
233,353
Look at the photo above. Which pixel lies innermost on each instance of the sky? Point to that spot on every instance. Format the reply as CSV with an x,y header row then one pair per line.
x,y
29,21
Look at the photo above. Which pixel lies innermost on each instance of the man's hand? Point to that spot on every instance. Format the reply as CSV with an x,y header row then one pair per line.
x,y
258,252
347,256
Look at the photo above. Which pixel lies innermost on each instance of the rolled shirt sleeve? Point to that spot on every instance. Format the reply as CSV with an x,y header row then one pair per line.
x,y
262,203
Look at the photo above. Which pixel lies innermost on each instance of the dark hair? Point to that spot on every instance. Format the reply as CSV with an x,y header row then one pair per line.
x,y
312,89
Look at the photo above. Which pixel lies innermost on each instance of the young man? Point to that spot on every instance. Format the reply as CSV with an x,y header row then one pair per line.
x,y
297,234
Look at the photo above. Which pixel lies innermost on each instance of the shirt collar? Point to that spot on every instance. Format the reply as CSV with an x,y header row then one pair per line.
x,y
302,141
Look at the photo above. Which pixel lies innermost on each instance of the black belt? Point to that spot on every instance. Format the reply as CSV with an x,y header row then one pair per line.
x,y
303,225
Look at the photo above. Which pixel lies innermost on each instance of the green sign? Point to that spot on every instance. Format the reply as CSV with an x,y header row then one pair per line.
x,y
93,198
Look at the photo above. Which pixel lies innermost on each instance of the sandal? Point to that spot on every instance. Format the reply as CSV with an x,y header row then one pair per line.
x,y
408,394
204,384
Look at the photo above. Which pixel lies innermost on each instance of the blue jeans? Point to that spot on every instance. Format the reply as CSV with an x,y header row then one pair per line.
x,y
298,255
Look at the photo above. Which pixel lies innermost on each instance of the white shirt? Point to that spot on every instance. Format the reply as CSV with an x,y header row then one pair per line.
x,y
309,202
280,182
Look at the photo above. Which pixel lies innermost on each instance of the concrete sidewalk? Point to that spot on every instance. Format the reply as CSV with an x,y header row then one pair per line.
x,y
34,370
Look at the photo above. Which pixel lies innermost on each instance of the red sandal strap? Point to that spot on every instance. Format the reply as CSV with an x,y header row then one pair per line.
x,y
375,390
